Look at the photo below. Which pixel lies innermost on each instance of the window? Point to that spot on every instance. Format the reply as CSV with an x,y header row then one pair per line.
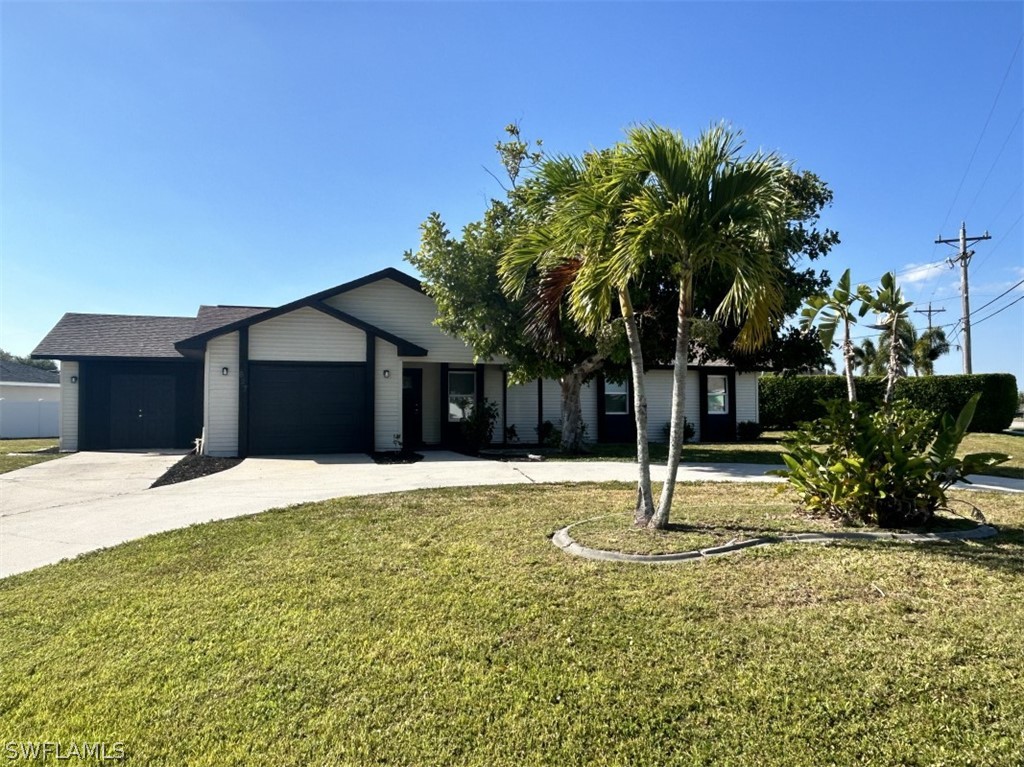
x,y
718,395
461,394
616,398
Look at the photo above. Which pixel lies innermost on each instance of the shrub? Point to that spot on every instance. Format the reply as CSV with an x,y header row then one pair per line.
x,y
786,401
889,467
478,426
688,432
748,431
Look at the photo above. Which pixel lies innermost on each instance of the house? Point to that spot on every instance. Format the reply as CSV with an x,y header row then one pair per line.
x,y
355,368
29,401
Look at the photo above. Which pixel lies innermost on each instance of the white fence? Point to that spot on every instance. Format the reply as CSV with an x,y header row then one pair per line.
x,y
24,420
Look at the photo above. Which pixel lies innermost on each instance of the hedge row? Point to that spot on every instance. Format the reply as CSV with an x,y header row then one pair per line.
x,y
785,400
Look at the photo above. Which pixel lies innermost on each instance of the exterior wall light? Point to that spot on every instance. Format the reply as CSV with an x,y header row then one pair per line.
x,y
74,379
224,371
387,374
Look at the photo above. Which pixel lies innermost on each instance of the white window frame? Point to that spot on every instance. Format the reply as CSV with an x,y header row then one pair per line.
x,y
462,407
617,389
724,393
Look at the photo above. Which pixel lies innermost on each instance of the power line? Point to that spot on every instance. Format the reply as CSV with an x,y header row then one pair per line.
x,y
999,241
994,163
1009,290
988,119
999,311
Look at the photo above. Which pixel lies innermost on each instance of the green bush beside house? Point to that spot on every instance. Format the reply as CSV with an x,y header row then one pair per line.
x,y
785,401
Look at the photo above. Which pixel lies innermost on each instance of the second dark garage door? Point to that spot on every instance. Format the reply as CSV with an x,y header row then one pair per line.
x,y
299,408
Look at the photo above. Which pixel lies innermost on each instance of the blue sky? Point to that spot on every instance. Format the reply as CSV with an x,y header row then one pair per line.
x,y
156,156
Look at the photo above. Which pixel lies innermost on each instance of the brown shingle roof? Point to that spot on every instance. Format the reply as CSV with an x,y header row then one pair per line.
x,y
213,317
114,335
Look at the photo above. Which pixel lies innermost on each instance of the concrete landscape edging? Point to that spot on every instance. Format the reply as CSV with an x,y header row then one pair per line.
x,y
564,540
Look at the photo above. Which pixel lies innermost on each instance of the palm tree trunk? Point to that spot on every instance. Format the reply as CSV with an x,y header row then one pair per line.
x,y
675,449
644,495
849,358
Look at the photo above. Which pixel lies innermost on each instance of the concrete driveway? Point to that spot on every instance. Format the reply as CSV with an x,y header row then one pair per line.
x,y
87,501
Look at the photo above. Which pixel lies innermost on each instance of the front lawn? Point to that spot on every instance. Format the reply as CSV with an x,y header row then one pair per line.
x,y
768,449
14,453
442,627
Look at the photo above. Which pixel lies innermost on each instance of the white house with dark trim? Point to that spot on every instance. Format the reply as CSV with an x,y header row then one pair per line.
x,y
29,401
356,368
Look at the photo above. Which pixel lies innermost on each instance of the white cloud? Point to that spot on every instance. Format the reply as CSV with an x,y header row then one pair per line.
x,y
915,274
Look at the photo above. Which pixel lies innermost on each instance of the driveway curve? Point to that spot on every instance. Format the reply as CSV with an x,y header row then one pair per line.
x,y
88,501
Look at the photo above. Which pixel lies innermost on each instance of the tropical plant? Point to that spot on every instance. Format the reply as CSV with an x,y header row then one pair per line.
x,y
831,309
895,325
890,467
931,345
865,356
461,274
577,204
701,210
478,426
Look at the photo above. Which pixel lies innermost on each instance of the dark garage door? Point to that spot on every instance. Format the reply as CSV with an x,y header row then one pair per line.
x,y
141,404
299,408
142,411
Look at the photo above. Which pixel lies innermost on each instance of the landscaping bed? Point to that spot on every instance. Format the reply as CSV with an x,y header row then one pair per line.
x,y
193,467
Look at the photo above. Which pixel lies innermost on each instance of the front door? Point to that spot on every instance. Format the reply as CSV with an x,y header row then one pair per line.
x,y
717,406
412,408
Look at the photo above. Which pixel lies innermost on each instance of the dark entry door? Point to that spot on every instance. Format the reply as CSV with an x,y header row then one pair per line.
x,y
305,408
141,411
412,408
717,406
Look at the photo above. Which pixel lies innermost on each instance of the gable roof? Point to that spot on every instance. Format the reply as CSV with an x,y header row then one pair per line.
x,y
197,341
84,336
19,372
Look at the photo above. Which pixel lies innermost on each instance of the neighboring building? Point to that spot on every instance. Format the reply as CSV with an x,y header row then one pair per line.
x,y
29,401
355,368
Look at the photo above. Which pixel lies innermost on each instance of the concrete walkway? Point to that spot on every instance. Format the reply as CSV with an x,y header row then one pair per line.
x,y
87,501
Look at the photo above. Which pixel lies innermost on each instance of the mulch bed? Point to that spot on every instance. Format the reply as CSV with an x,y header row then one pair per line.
x,y
395,456
194,467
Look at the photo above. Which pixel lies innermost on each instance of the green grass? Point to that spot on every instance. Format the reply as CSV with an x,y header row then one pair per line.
x,y
9,461
1010,444
768,449
442,627
727,513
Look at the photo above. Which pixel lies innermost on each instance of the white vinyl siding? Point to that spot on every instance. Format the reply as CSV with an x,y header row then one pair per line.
x,y
68,407
406,313
522,411
493,379
387,404
659,403
306,335
553,402
220,414
746,397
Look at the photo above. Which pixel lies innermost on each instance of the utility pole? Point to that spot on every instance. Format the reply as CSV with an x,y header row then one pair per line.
x,y
964,259
929,311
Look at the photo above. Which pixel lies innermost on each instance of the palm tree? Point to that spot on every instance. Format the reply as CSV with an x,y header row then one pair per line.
x,y
685,210
864,356
699,210
929,347
571,255
830,310
888,301
904,355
